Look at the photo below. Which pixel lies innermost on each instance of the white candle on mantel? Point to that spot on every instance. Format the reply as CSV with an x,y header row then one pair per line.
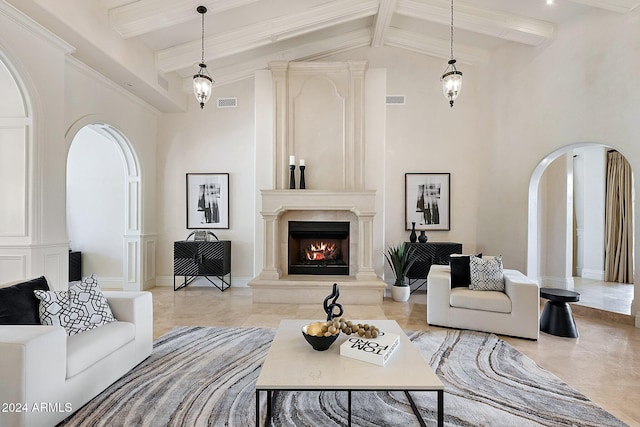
x,y
301,162
292,160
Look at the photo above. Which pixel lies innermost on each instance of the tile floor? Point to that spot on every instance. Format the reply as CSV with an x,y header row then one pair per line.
x,y
603,364
614,297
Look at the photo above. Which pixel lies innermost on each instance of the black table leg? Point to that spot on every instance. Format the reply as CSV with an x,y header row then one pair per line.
x,y
415,410
268,420
349,409
440,408
257,408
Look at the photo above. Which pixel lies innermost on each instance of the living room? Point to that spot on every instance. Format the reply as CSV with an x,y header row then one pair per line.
x,y
518,106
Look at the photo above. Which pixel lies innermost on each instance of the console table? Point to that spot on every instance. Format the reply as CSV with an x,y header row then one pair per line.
x,y
427,254
193,259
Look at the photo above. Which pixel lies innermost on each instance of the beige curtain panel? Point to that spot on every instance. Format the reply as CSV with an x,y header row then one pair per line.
x,y
618,261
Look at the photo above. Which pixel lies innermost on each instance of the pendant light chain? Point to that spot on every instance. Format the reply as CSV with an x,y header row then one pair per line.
x,y
202,38
451,29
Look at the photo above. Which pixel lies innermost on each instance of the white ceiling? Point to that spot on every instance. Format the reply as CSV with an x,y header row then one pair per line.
x,y
128,40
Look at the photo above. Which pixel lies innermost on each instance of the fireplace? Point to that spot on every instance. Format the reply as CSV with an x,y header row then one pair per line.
x,y
318,247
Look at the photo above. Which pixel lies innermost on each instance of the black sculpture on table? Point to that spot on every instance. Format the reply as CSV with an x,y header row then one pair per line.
x,y
329,308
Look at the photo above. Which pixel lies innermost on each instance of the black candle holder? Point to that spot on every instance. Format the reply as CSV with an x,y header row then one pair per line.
x,y
292,177
303,184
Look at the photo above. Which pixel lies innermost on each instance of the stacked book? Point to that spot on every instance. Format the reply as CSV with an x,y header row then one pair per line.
x,y
373,350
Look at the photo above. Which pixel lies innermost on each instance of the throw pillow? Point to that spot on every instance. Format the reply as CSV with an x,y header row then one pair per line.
x,y
19,305
486,274
81,308
460,273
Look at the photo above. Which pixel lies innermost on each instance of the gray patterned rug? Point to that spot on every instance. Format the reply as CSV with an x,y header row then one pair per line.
x,y
201,376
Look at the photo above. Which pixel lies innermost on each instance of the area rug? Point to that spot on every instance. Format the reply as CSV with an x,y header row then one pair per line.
x,y
205,376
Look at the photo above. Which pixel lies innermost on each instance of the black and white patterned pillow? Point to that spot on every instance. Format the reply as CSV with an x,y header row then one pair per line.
x,y
486,274
81,308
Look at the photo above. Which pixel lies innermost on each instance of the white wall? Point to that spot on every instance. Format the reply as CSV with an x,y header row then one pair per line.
x,y
595,175
579,88
40,246
427,135
61,96
556,208
209,140
134,127
96,205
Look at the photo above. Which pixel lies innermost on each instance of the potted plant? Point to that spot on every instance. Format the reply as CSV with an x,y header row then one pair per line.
x,y
400,258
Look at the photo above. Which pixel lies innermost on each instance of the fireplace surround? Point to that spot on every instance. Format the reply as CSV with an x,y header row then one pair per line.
x,y
279,207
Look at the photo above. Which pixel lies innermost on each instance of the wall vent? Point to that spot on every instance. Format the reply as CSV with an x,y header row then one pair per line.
x,y
395,99
227,102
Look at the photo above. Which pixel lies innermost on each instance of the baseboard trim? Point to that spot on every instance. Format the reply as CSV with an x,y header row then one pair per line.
x,y
557,282
592,274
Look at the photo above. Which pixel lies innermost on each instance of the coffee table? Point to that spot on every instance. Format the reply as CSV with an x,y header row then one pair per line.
x,y
292,364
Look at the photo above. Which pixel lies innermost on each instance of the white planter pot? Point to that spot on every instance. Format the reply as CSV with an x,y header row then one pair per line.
x,y
400,293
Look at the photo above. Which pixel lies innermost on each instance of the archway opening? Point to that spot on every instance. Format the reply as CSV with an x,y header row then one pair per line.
x,y
567,231
102,206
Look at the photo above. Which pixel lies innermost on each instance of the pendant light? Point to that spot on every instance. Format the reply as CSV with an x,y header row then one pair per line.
x,y
452,78
202,82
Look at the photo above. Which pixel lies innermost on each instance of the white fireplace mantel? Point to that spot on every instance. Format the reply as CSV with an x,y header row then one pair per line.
x,y
316,111
277,202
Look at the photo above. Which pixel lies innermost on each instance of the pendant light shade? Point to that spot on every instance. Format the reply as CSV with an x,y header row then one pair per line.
x,y
451,82
202,81
452,78
202,85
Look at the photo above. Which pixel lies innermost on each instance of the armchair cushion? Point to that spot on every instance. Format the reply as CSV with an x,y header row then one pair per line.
x,y
19,305
486,274
494,301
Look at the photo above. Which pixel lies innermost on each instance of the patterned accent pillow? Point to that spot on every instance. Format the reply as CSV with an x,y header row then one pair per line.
x,y
81,308
486,274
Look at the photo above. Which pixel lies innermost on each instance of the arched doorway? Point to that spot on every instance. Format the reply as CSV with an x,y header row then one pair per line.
x,y
118,176
566,231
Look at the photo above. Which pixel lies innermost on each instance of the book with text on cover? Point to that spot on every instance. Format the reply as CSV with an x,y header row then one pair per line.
x,y
372,350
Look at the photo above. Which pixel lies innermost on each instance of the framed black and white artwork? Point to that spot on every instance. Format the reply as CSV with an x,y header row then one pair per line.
x,y
427,200
207,200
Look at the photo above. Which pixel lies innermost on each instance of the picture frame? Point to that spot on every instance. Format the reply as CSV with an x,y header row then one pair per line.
x,y
427,201
207,200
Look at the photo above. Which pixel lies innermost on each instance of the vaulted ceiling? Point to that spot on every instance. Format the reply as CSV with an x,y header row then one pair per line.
x,y
149,45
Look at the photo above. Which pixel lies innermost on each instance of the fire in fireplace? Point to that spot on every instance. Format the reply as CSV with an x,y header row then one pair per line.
x,y
319,247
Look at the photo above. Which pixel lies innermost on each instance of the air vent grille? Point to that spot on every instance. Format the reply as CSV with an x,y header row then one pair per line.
x,y
227,102
395,99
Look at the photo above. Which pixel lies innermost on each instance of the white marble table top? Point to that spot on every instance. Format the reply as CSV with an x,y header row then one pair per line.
x,y
292,364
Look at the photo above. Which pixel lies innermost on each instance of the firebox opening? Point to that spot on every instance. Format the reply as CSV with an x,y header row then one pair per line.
x,y
319,247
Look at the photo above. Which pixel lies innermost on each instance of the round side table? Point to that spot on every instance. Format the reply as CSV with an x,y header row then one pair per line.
x,y
557,318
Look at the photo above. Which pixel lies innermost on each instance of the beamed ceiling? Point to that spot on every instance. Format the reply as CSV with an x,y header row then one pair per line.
x,y
148,46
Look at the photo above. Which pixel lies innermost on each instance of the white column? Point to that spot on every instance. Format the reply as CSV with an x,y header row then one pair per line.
x,y
365,247
271,269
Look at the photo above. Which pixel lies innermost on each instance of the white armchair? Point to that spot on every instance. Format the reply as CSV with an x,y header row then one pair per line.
x,y
514,312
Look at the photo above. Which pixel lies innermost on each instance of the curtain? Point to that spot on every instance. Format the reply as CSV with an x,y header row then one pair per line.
x,y
618,258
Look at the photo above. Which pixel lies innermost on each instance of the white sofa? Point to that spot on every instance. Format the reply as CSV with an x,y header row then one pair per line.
x,y
46,375
514,312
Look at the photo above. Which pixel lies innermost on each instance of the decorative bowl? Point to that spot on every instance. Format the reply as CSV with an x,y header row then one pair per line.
x,y
312,333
